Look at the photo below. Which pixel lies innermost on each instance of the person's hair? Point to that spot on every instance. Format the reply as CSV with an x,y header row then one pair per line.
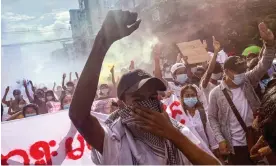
x,y
182,92
16,90
267,118
34,106
70,83
218,68
52,94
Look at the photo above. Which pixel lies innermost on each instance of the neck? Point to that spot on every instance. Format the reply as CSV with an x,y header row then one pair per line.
x,y
230,83
191,111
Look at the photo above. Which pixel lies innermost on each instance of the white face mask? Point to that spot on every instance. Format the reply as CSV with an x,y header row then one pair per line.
x,y
239,79
49,98
181,78
21,106
69,88
29,115
105,91
216,76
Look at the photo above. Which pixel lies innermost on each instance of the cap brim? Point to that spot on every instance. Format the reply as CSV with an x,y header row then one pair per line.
x,y
156,84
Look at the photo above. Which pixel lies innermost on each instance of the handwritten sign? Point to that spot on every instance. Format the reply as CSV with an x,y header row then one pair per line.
x,y
195,51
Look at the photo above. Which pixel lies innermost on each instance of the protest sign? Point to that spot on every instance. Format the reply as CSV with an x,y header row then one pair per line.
x,y
194,50
52,139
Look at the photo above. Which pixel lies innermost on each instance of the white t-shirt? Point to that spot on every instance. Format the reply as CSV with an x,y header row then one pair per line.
x,y
208,89
241,103
177,89
196,122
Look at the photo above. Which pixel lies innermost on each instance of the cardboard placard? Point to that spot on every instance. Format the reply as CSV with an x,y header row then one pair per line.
x,y
194,50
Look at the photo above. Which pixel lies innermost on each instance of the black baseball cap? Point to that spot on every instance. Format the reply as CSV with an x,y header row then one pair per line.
x,y
134,80
236,64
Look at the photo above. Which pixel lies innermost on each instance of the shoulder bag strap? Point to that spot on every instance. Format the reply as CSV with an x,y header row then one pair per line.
x,y
234,109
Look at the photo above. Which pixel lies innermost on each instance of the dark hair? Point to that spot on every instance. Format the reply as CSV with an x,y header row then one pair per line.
x,y
70,83
16,90
34,106
183,90
267,118
236,64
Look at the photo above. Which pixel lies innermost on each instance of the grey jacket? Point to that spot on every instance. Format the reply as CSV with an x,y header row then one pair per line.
x,y
219,109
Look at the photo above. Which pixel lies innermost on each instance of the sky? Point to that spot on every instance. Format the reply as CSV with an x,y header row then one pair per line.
x,y
41,18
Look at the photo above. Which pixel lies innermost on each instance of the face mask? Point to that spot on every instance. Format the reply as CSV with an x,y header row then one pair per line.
x,y
29,115
167,69
49,98
239,79
69,88
105,91
181,78
42,99
67,106
216,76
190,102
21,106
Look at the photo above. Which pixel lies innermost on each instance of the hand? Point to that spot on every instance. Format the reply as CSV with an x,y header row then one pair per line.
x,y
178,58
266,34
64,76
185,58
216,45
77,75
119,24
264,151
55,84
7,89
25,83
31,83
154,122
205,44
223,148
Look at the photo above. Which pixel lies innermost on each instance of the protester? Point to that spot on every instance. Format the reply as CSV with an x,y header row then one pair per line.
x,y
179,73
234,101
65,101
213,74
21,104
197,116
30,110
121,122
39,98
70,87
14,105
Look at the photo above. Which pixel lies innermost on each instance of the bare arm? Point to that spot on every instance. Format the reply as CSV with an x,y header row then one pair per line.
x,y
31,100
70,76
63,79
14,116
54,87
211,67
157,69
77,75
4,99
113,76
79,112
10,109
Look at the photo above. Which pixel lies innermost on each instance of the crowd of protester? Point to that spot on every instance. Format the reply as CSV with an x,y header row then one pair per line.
x,y
230,102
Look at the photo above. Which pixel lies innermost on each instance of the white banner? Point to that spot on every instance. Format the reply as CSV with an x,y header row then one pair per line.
x,y
51,139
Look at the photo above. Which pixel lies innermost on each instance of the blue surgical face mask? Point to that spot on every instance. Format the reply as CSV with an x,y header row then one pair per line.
x,y
190,101
67,106
239,79
181,78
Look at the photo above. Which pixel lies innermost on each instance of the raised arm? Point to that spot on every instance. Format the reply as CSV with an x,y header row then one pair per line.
x,y
54,87
115,27
31,100
70,76
77,75
63,79
156,51
113,76
269,51
212,64
4,99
